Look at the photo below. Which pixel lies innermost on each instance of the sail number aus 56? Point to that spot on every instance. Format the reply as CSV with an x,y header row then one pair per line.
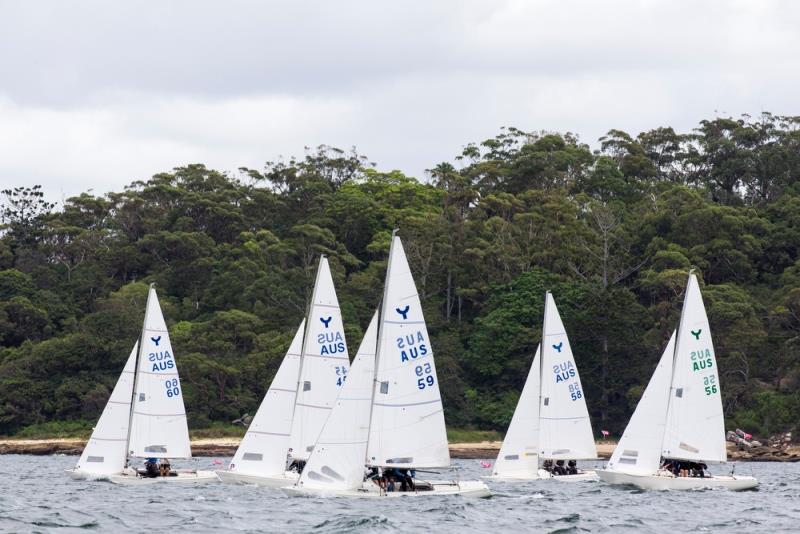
x,y
425,377
710,383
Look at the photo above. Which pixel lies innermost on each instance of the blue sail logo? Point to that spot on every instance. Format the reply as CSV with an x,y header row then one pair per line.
x,y
558,347
325,321
155,340
403,312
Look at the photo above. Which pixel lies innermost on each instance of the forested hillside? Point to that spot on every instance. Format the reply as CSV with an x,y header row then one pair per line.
x,y
612,233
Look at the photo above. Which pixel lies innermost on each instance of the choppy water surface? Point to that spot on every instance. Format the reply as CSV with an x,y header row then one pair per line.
x,y
35,495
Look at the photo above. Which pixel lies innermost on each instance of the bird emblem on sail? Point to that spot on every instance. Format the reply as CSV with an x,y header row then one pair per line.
x,y
155,340
558,347
325,321
403,312
696,334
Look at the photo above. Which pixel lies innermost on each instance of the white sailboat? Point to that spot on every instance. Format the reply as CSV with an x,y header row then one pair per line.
x,y
679,417
300,398
551,421
145,416
389,414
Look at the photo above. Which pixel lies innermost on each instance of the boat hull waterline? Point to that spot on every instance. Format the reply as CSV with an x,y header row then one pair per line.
x,y
277,481
585,476
671,482
467,488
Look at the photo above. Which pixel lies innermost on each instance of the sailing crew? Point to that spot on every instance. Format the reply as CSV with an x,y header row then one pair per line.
x,y
547,465
559,469
151,468
572,467
164,468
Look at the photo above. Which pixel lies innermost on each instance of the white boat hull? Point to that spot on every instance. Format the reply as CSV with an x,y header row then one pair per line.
x,y
79,474
670,482
129,477
465,488
585,476
277,481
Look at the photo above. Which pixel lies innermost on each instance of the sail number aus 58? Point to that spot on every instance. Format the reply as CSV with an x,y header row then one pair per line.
x,y
426,378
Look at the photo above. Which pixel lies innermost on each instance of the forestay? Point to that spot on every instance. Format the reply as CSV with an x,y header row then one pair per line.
x,y
106,450
639,450
158,424
324,365
407,425
262,451
695,427
519,453
337,461
565,429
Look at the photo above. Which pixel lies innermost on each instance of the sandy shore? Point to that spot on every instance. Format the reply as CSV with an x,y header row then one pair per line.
x,y
478,450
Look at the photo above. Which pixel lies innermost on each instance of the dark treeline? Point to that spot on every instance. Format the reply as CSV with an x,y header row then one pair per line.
x,y
612,233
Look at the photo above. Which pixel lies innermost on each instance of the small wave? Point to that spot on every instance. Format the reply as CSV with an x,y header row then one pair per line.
x,y
352,523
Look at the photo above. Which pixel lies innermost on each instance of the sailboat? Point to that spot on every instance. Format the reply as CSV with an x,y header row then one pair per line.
x,y
389,414
300,398
679,417
145,416
551,421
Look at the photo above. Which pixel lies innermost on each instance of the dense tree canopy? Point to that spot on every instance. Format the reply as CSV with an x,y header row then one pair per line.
x,y
612,233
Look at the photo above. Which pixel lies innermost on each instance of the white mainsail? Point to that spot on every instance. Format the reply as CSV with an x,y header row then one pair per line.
x,y
407,426
262,451
695,428
565,431
324,365
639,449
158,422
106,450
337,461
519,454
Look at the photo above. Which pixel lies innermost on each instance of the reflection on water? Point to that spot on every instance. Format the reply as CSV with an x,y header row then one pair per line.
x,y
35,495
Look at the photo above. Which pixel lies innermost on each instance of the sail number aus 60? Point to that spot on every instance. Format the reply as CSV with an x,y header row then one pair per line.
x,y
426,378
172,387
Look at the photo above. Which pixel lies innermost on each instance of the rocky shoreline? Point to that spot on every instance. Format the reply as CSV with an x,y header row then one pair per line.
x,y
481,450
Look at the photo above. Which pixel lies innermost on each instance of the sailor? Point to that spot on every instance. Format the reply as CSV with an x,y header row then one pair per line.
x,y
547,465
151,468
572,467
559,469
164,468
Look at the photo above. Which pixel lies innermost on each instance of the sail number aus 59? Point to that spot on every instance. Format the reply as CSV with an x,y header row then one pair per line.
x,y
426,378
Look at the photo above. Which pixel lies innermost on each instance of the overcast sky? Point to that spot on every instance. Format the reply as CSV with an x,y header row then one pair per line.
x,y
94,95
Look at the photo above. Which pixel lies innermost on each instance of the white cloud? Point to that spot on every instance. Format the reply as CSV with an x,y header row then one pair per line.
x,y
94,96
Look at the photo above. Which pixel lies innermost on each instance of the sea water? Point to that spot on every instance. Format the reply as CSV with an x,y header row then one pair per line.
x,y
37,496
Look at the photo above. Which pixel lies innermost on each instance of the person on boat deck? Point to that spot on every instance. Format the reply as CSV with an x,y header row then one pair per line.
x,y
572,467
390,484
559,469
151,467
547,465
164,468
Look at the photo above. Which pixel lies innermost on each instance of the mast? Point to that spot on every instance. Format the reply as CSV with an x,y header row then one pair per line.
x,y
381,315
303,346
541,369
136,374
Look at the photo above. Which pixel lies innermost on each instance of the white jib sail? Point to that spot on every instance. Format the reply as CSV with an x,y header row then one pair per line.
x,y
262,451
639,450
519,454
565,431
337,461
105,452
158,425
695,422
407,426
323,368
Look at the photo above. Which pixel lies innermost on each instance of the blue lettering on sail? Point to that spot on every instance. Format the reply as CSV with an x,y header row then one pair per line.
x,y
558,347
161,361
325,321
404,311
156,340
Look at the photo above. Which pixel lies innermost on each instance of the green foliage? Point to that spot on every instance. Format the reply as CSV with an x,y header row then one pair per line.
x,y
612,234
